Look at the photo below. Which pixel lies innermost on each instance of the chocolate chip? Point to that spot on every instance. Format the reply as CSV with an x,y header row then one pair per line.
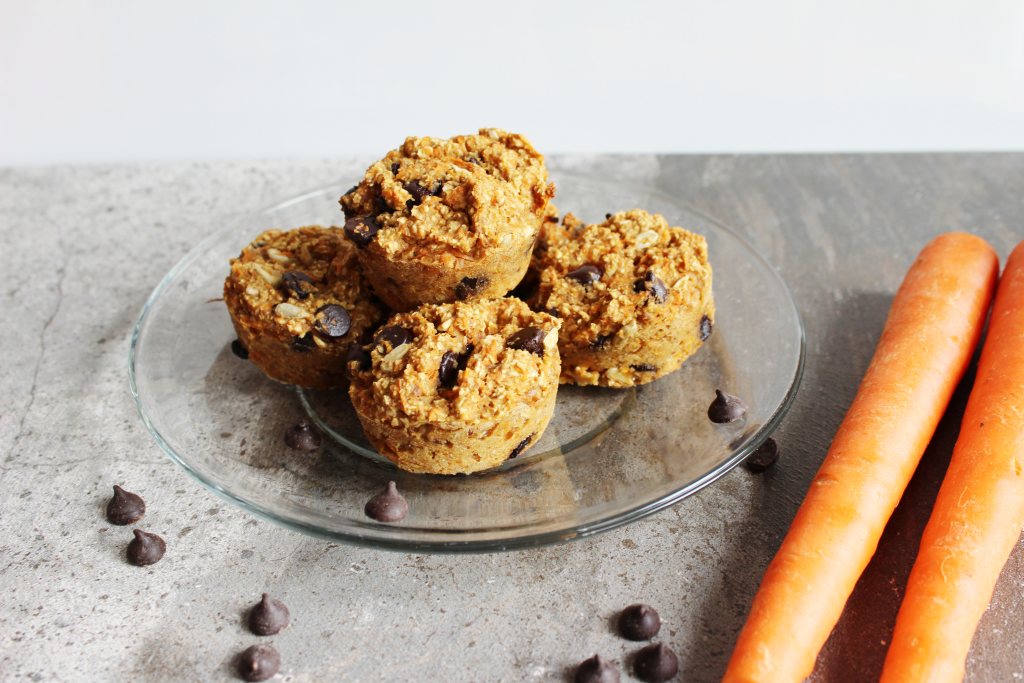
x,y
303,344
332,321
448,370
653,285
394,168
764,457
601,341
388,506
521,446
361,230
474,160
644,367
259,662
124,507
268,617
597,669
464,356
239,350
607,216
381,206
356,354
655,663
585,275
391,338
418,192
469,286
553,312
705,327
145,548
528,339
639,622
299,284
302,436
726,408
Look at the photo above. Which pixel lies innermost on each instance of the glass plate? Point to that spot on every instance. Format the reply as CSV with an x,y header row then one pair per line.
x,y
609,456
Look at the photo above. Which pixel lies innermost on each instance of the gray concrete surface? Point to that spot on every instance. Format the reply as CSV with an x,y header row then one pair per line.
x,y
81,248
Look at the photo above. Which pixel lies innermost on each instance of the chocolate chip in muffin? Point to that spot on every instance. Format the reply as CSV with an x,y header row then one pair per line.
x,y
361,230
644,367
303,344
125,507
332,321
655,663
764,457
726,408
298,284
469,286
268,617
528,339
448,370
239,350
388,506
259,662
145,548
597,669
356,354
520,447
302,436
639,622
418,192
390,338
585,275
653,285
705,328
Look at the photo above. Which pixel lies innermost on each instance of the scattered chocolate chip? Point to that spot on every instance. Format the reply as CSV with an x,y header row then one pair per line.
x,y
356,354
597,669
553,311
601,341
418,192
469,286
268,617
585,275
474,160
259,662
239,350
607,216
764,457
299,284
639,622
388,506
448,370
124,507
726,408
332,321
521,446
361,230
302,436
303,344
644,367
464,356
655,663
258,245
394,168
705,327
390,338
653,285
145,548
381,206
528,339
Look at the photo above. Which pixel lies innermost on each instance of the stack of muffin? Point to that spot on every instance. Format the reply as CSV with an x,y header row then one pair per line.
x,y
461,377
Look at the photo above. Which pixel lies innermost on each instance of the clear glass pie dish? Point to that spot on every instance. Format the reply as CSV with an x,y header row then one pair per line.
x,y
609,456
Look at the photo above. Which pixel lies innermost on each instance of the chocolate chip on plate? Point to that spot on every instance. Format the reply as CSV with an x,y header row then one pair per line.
x,y
239,350
597,669
356,354
705,327
645,367
390,338
655,663
145,548
303,344
521,446
268,617
469,286
299,284
528,339
302,436
639,622
259,662
332,321
653,285
764,457
585,275
361,230
726,408
124,507
388,506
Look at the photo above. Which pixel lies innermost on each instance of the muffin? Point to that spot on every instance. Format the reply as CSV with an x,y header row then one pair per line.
x,y
459,387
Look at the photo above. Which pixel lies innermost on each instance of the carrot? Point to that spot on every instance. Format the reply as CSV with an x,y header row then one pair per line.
x,y
928,339
979,511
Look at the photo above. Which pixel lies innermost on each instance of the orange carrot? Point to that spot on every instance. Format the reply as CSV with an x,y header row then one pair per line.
x,y
979,512
931,332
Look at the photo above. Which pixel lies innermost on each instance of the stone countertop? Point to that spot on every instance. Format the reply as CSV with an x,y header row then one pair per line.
x,y
83,247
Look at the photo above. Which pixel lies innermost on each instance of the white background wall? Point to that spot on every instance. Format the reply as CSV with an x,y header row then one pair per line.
x,y
117,80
